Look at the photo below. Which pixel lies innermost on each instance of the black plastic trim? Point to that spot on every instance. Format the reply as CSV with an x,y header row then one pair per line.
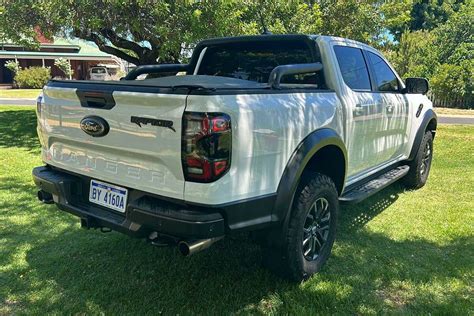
x,y
310,41
155,69
372,176
282,70
111,87
96,99
147,212
296,165
427,118
143,215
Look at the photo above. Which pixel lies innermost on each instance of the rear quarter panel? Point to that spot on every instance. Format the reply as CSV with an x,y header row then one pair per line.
x,y
266,129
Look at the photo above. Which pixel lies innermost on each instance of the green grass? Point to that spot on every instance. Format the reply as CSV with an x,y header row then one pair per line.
x,y
19,93
399,252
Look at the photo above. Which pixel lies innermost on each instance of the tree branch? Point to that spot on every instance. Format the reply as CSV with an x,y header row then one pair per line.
x,y
121,42
102,45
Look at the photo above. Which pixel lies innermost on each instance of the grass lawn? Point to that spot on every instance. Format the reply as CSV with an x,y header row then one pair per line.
x,y
19,93
449,111
398,252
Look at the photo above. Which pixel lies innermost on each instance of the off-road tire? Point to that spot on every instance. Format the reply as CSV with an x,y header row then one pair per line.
x,y
420,166
289,260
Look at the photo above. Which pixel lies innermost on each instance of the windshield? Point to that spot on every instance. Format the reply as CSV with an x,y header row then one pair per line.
x,y
255,60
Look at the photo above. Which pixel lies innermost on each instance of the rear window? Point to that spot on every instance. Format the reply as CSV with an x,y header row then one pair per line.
x,y
353,67
254,61
98,70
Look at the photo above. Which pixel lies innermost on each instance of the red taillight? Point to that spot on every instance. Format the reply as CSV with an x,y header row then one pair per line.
x,y
206,146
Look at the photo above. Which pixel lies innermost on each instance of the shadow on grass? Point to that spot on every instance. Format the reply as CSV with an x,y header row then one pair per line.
x,y
52,266
18,129
90,272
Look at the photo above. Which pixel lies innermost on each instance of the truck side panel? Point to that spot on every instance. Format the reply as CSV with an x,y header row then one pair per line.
x,y
266,129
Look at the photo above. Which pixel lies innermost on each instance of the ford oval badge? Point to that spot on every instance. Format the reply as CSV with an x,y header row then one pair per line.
x,y
95,126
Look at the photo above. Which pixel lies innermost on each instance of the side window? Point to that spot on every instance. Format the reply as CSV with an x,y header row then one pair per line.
x,y
385,79
353,67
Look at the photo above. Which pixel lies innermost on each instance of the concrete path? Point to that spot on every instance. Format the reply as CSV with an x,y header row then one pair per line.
x,y
458,119
18,101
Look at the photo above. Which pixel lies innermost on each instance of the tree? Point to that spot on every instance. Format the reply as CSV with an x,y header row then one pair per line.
x,y
358,20
455,45
429,14
397,16
150,31
65,66
415,54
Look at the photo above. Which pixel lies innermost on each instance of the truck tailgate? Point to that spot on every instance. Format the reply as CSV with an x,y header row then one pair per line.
x,y
143,152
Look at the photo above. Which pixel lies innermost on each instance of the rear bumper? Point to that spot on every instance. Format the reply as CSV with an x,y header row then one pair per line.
x,y
144,213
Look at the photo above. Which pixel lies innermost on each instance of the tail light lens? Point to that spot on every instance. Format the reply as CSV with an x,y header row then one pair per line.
x,y
39,100
206,146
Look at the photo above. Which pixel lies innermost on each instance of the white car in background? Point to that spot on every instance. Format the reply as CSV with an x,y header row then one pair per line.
x,y
99,73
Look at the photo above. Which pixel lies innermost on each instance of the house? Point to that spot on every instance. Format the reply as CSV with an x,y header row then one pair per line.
x,y
81,55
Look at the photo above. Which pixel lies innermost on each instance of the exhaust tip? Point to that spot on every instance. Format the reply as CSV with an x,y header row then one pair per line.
x,y
183,248
45,197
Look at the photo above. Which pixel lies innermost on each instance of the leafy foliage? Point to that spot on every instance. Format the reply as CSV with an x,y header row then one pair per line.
x,y
13,66
421,37
144,32
32,78
444,54
65,66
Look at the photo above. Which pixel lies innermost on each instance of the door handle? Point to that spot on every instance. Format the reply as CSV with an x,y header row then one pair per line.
x,y
389,108
360,109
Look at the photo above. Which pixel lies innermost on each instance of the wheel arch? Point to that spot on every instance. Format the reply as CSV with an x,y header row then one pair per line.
x,y
321,151
429,123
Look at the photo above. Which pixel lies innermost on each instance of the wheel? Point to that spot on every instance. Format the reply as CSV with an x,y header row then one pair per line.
x,y
420,166
311,231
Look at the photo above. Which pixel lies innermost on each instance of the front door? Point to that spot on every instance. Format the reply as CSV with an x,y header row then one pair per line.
x,y
364,114
393,106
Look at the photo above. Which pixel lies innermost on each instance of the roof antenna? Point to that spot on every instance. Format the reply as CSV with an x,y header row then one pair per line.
x,y
262,21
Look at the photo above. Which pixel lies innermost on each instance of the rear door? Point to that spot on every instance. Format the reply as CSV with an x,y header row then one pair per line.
x,y
142,148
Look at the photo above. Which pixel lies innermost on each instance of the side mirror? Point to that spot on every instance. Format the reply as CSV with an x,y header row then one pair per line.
x,y
416,86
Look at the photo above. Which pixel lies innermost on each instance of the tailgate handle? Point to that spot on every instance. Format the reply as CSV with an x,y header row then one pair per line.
x,y
96,99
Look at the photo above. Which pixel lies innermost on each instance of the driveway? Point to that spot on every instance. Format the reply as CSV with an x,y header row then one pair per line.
x,y
444,119
18,101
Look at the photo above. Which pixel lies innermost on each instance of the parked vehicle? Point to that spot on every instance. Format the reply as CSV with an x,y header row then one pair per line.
x,y
99,73
266,134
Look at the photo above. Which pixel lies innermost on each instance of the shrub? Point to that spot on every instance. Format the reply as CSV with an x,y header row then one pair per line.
x,y
64,65
13,66
33,77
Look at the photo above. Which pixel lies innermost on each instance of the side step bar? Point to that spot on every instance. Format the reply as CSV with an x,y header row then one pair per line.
x,y
368,189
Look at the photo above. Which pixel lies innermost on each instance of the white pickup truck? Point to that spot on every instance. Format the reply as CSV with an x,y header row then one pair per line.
x,y
262,133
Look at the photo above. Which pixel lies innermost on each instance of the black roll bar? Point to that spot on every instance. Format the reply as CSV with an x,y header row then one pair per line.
x,y
154,69
280,71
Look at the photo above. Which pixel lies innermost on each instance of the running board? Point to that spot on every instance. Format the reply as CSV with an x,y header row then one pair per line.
x,y
365,190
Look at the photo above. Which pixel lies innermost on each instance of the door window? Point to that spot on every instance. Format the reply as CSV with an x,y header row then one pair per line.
x,y
385,79
353,67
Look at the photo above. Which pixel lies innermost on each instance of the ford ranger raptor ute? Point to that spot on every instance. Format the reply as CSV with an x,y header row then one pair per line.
x,y
266,134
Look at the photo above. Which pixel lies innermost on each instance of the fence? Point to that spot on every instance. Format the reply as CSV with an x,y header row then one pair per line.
x,y
466,102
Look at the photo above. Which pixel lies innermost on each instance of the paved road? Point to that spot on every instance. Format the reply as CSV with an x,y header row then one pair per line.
x,y
456,119
441,119
18,101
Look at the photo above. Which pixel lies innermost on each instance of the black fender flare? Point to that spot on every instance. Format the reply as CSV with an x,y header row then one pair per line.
x,y
429,116
290,179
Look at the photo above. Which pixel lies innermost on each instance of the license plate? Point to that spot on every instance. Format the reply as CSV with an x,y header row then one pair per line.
x,y
108,195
